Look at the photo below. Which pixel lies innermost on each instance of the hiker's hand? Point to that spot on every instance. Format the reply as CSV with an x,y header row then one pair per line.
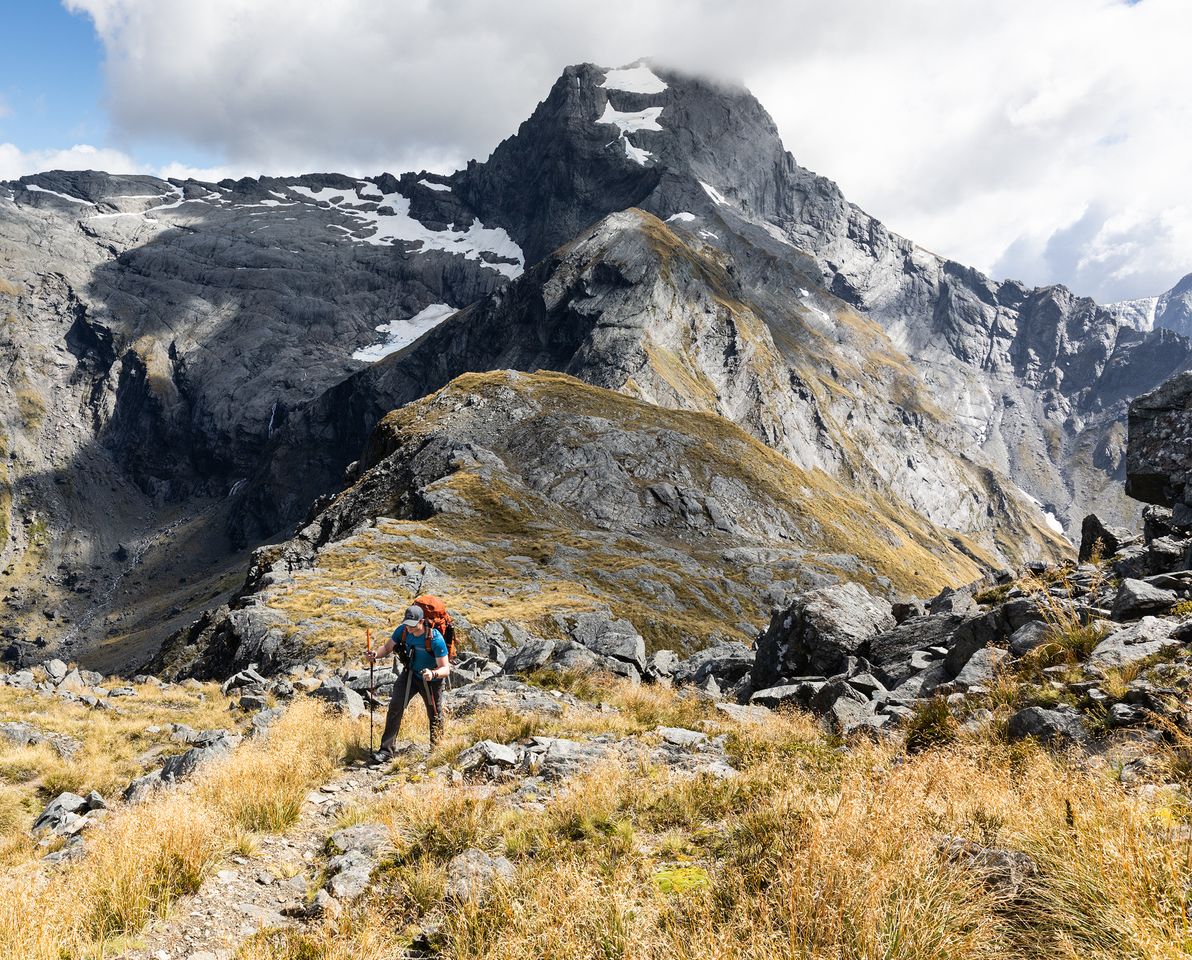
x,y
427,674
372,656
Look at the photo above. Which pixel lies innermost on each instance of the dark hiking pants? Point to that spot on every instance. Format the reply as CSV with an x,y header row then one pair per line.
x,y
432,697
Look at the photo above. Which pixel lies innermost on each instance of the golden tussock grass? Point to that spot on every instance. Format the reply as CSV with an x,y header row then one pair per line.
x,y
145,856
809,853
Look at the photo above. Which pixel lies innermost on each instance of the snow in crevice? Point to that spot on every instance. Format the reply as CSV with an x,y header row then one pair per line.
x,y
400,333
708,235
636,154
34,188
639,79
434,186
387,218
682,217
718,198
628,123
1049,518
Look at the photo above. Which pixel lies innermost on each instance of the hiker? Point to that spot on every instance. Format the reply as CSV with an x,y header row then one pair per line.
x,y
425,666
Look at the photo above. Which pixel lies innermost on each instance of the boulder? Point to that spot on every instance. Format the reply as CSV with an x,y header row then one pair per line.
x,y
556,758
21,734
58,810
471,875
661,664
1112,539
1158,446
818,632
1136,642
350,874
972,635
488,753
922,684
248,677
530,656
72,682
608,637
1137,597
55,669
727,663
981,668
1053,727
1028,636
891,653
341,697
370,838
185,764
798,694
681,736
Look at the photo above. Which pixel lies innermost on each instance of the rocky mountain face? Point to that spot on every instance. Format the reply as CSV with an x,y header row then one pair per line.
x,y
1169,311
191,365
530,497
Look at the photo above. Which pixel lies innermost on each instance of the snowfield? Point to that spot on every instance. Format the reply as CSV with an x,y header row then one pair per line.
x,y
633,80
400,333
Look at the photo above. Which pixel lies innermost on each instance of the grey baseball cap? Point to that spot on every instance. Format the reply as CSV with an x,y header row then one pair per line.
x,y
414,616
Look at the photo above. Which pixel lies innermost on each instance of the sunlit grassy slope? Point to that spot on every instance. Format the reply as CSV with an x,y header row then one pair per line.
x,y
512,554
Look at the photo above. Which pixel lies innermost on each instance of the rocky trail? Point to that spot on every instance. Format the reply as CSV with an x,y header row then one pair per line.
x,y
270,886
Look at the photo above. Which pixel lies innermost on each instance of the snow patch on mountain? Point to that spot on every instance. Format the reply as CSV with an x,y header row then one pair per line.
x,y
387,218
632,122
1050,518
718,198
682,217
434,186
400,333
637,79
34,188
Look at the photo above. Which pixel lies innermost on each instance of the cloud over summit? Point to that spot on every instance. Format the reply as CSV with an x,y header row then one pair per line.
x,y
1044,140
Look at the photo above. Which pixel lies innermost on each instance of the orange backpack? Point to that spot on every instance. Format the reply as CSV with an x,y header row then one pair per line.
x,y
438,618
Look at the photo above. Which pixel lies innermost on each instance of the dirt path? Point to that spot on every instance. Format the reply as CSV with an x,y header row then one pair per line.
x,y
248,891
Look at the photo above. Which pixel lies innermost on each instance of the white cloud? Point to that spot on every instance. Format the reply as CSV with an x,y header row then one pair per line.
x,y
15,162
983,131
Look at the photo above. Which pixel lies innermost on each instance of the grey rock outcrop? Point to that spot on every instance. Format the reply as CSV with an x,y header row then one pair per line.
x,y
818,633
1137,642
1053,727
472,874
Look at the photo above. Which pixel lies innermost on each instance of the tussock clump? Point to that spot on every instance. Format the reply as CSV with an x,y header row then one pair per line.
x,y
147,855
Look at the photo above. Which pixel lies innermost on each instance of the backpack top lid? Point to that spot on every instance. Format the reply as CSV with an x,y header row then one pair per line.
x,y
437,618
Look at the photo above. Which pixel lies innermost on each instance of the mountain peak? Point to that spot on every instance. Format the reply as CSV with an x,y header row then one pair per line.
x,y
641,135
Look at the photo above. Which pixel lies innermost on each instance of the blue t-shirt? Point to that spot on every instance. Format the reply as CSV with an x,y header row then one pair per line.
x,y
422,658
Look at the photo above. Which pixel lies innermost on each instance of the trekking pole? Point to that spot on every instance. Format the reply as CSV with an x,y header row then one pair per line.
x,y
409,668
430,698
372,688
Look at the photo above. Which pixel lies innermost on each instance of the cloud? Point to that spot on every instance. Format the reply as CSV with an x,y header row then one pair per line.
x,y
979,130
15,162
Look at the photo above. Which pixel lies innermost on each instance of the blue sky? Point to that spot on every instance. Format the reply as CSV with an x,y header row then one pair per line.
x,y
1041,141
50,77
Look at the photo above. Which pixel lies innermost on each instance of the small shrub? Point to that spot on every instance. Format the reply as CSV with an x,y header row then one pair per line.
x,y
932,725
1182,609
